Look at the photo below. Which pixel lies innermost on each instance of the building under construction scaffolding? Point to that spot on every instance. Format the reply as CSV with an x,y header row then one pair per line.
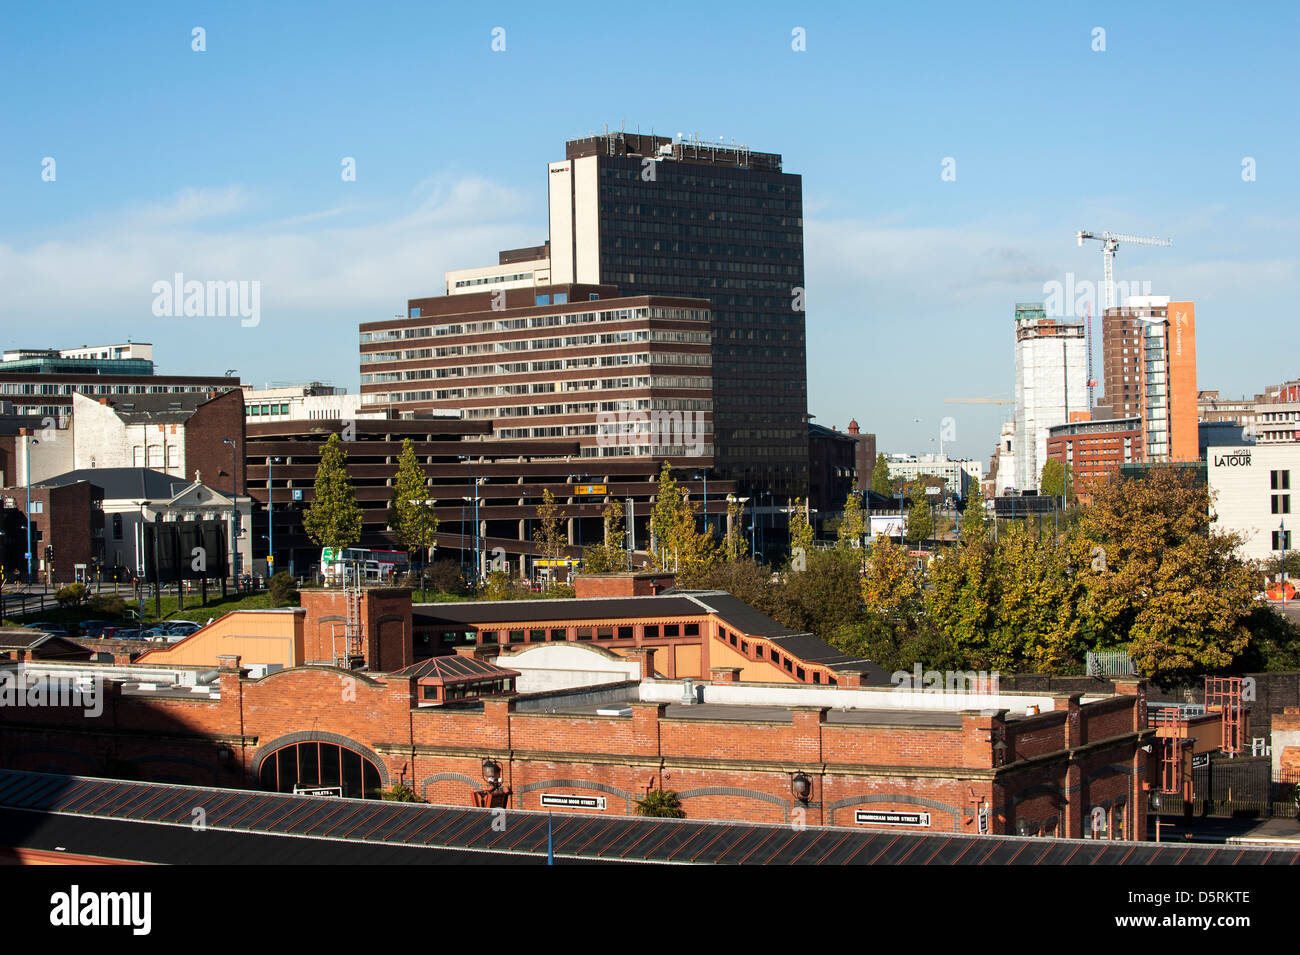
x,y
1051,385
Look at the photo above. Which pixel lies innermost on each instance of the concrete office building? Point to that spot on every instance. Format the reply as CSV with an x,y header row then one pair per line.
x,y
517,268
40,382
622,376
657,216
956,474
311,402
1002,469
1051,385
1277,415
1149,348
1253,487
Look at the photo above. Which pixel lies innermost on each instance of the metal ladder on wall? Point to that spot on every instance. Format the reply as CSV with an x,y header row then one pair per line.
x,y
351,653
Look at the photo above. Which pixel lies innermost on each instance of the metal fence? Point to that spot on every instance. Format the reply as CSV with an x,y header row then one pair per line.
x,y
1110,663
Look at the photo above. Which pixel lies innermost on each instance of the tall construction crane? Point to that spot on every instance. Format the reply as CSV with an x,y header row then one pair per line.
x,y
1109,245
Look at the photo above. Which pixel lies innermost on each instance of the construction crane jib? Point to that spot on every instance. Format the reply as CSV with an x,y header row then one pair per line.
x,y
1110,242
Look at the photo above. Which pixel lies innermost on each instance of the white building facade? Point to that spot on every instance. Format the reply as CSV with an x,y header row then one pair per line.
x,y
1253,488
1051,385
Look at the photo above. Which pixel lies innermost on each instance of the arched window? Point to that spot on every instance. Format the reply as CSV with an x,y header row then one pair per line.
x,y
318,765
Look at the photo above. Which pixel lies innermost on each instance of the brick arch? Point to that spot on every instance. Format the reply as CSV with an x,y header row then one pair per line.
x,y
735,791
318,736
957,813
387,618
628,798
423,786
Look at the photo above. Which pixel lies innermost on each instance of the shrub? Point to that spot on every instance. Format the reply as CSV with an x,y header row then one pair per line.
x,y
662,803
444,576
107,605
72,595
283,589
399,793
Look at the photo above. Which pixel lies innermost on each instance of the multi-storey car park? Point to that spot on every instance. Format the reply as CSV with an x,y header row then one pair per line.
x,y
462,460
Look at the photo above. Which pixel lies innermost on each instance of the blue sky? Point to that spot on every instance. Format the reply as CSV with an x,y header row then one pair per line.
x,y
225,164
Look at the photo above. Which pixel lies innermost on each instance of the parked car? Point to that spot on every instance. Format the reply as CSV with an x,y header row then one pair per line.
x,y
182,627
93,628
128,635
54,629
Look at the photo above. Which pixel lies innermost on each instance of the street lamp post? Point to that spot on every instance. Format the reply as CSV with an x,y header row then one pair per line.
x,y
27,466
583,476
1281,543
708,528
234,511
270,515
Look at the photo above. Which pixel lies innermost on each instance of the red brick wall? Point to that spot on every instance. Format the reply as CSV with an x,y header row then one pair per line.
x,y
212,422
725,770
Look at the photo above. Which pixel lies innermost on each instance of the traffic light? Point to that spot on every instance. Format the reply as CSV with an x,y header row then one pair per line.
x,y
49,552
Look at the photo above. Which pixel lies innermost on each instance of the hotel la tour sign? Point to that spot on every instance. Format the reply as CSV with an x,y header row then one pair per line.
x,y
1233,459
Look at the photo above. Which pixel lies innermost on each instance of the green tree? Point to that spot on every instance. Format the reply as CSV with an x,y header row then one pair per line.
x,y
747,581
920,515
891,585
414,523
679,544
853,528
1162,579
1056,477
824,597
610,555
881,482
975,518
333,519
736,547
801,535
963,596
547,533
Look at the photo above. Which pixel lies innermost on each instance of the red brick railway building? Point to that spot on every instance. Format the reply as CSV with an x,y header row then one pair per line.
x,y
765,751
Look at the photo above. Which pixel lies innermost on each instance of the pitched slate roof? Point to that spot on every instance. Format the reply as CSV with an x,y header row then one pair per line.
x,y
136,484
46,646
677,603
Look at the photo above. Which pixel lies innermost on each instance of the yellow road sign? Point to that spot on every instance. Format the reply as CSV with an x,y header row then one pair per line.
x,y
591,489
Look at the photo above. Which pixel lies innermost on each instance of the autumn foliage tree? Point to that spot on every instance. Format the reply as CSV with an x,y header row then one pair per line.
x,y
680,545
1163,579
